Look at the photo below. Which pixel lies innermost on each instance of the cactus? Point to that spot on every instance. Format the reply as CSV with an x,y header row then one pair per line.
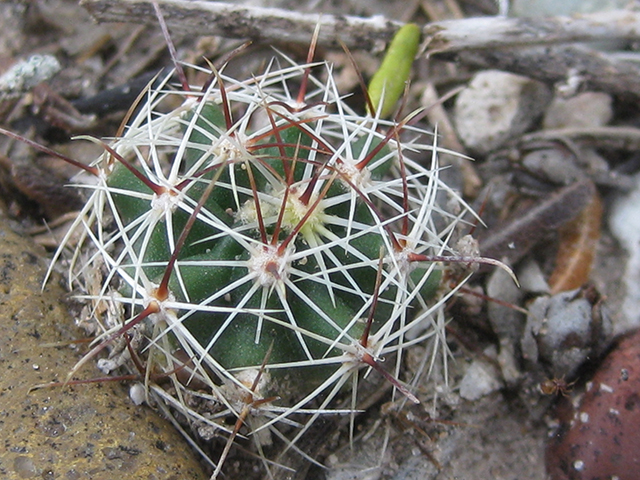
x,y
259,247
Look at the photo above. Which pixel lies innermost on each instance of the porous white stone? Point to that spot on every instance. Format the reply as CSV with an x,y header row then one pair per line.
x,y
496,107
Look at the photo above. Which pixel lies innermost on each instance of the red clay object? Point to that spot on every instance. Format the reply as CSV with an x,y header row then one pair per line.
x,y
602,440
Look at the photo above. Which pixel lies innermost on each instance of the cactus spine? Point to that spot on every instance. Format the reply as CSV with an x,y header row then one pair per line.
x,y
269,244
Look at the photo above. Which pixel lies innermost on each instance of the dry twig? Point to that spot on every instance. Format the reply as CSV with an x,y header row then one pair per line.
x,y
499,32
237,21
617,137
521,45
576,67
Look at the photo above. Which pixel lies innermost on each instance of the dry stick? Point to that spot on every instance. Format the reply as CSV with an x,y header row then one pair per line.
x,y
587,68
438,115
487,42
230,20
620,138
499,32
512,239
238,21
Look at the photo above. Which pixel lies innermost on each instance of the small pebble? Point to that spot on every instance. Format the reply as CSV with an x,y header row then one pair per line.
x,y
496,107
26,74
564,331
479,380
137,393
588,109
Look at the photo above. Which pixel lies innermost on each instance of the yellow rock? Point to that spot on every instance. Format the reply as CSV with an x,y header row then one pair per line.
x,y
91,431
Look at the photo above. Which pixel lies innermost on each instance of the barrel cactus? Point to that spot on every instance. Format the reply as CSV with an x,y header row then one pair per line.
x,y
251,251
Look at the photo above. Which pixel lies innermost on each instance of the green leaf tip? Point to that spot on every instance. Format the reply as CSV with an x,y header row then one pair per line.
x,y
389,81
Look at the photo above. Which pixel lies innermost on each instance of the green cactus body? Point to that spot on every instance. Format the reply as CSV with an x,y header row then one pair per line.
x,y
210,261
287,238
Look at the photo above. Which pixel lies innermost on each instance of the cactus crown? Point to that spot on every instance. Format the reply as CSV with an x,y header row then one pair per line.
x,y
267,240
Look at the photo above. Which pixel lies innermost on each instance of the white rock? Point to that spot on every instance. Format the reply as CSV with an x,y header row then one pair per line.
x,y
479,380
531,278
137,393
497,106
624,222
26,74
588,109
